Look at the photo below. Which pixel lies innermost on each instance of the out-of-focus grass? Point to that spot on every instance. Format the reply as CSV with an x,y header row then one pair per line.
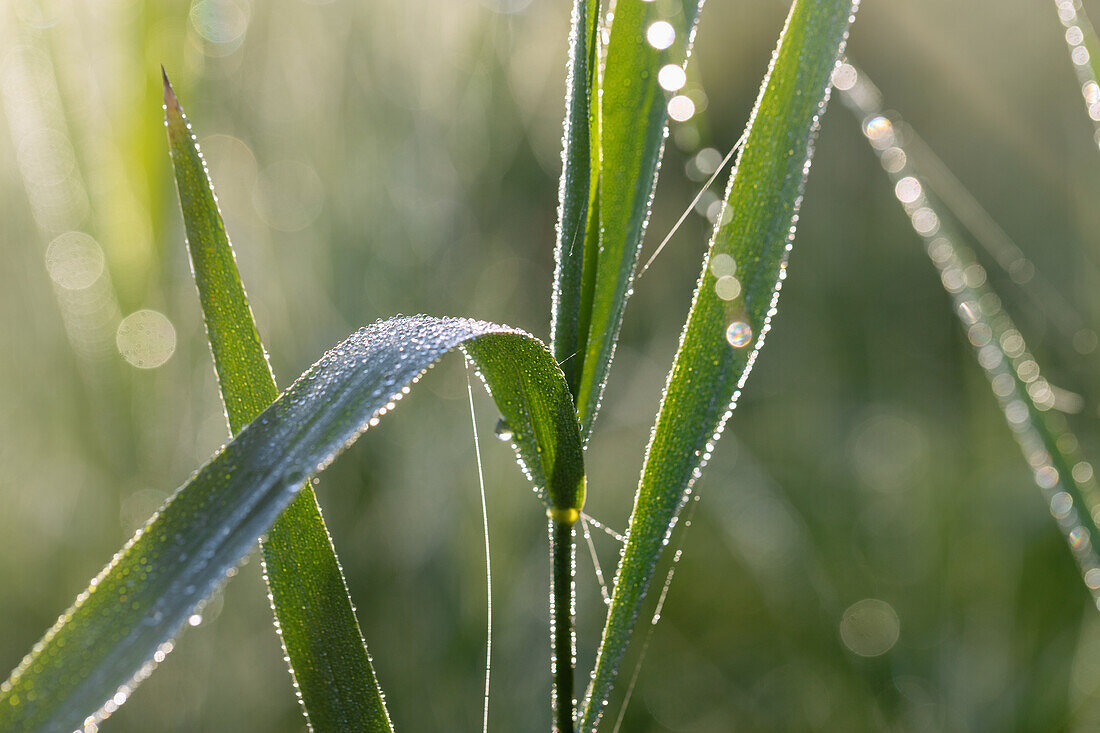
x,y
404,157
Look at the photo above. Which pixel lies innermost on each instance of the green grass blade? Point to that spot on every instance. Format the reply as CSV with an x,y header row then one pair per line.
x,y
1068,483
576,205
580,143
722,336
123,624
316,620
632,120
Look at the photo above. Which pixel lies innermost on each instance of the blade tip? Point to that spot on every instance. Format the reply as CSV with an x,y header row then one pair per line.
x,y
170,100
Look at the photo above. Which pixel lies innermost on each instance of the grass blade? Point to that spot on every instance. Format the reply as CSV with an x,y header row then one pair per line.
x,y
576,206
580,160
122,625
1028,401
632,120
316,621
729,317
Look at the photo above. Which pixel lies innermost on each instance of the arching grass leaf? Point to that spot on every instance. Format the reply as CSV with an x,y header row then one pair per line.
x,y
112,637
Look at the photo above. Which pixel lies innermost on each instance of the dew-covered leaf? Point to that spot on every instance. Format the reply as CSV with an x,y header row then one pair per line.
x,y
731,311
316,620
628,126
124,623
580,168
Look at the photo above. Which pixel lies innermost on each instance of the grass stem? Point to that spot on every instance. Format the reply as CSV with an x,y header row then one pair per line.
x,y
563,633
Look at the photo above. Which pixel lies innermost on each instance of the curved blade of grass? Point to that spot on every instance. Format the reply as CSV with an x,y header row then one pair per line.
x,y
630,131
1068,483
315,619
722,337
123,624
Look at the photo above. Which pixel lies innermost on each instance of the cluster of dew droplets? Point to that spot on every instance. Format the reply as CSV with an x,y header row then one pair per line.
x,y
192,618
1080,35
1026,398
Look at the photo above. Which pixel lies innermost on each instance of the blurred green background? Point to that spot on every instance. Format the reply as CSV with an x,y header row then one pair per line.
x,y
381,157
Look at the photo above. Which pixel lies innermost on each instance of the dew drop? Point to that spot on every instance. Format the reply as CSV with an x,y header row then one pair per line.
x,y
870,627
845,77
723,265
739,334
74,260
879,131
671,77
1092,578
146,339
681,108
727,287
503,431
660,35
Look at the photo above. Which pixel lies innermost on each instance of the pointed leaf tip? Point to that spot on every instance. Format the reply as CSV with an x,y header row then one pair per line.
x,y
170,100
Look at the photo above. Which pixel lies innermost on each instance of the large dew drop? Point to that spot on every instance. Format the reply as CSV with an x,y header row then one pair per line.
x,y
739,334
503,431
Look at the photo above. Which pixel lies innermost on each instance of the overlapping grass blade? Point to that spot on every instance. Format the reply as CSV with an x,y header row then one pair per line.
x,y
580,169
123,624
1028,401
731,312
630,123
315,617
